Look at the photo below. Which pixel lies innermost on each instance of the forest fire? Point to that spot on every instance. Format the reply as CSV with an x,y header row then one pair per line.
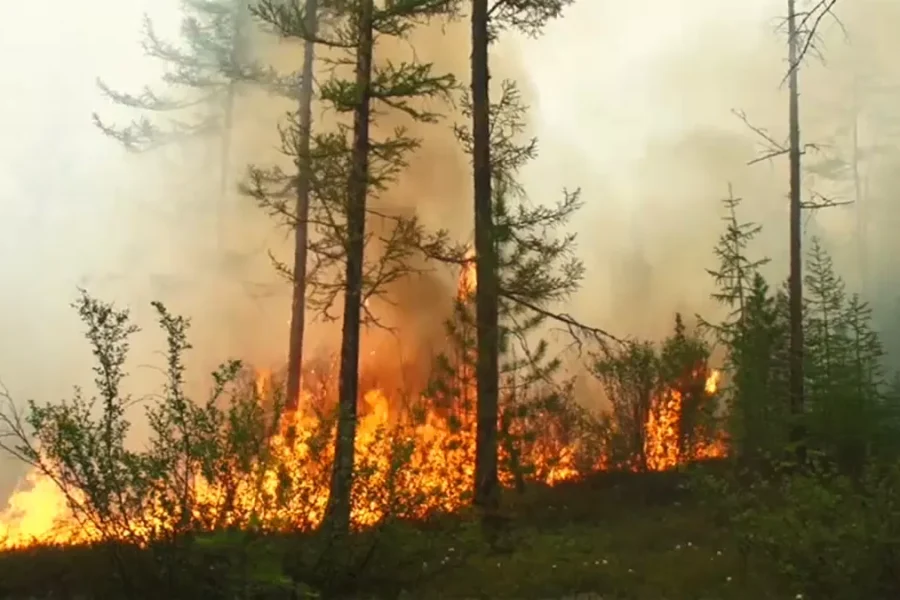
x,y
436,478
411,461
663,446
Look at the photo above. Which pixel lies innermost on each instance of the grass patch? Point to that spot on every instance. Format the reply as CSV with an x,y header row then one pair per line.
x,y
615,536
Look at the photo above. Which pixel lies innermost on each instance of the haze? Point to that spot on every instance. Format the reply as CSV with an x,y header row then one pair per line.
x,y
631,101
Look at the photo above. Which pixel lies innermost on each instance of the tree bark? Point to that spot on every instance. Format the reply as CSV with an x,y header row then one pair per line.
x,y
357,189
796,261
301,231
486,294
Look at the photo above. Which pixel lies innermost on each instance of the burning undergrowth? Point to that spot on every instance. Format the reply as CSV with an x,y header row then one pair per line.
x,y
237,460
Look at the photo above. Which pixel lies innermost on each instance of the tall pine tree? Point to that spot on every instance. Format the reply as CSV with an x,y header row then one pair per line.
x,y
487,20
204,71
348,167
537,269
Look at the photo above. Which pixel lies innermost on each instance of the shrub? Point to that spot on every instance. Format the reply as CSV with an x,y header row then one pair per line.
x,y
825,536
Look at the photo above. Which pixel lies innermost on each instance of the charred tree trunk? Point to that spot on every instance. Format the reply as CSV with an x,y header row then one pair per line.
x,y
486,293
357,190
301,231
796,276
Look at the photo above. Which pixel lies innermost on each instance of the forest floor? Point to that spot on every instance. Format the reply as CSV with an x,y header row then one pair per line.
x,y
614,536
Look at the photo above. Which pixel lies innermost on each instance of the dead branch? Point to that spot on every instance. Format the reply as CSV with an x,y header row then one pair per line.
x,y
575,328
809,25
821,201
772,148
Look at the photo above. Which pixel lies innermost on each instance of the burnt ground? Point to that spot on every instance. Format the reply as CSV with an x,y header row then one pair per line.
x,y
613,536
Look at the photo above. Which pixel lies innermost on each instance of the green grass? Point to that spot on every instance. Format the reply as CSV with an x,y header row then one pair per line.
x,y
616,536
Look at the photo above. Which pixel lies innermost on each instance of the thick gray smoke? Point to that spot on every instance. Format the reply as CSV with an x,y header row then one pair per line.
x,y
632,102
637,109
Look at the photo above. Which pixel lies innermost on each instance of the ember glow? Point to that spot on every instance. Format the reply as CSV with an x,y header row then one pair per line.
x,y
436,439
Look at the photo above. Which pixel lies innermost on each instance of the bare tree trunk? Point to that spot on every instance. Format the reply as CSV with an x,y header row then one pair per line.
x,y
348,392
301,232
241,12
486,293
796,274
859,201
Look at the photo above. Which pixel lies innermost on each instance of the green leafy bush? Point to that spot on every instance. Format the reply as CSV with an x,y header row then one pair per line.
x,y
166,488
201,470
826,536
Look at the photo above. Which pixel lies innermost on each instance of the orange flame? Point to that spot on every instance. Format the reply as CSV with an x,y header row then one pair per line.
x,y
468,277
437,477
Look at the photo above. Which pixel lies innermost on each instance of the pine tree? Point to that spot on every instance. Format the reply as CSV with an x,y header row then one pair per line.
x,y
757,359
801,33
348,168
301,228
752,339
825,335
296,139
844,354
207,65
537,269
865,380
487,20
867,350
296,136
736,271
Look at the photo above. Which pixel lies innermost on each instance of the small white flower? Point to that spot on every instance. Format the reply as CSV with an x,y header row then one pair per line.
x,y
799,596
718,553
604,561
689,544
554,566
631,570
678,547
728,579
